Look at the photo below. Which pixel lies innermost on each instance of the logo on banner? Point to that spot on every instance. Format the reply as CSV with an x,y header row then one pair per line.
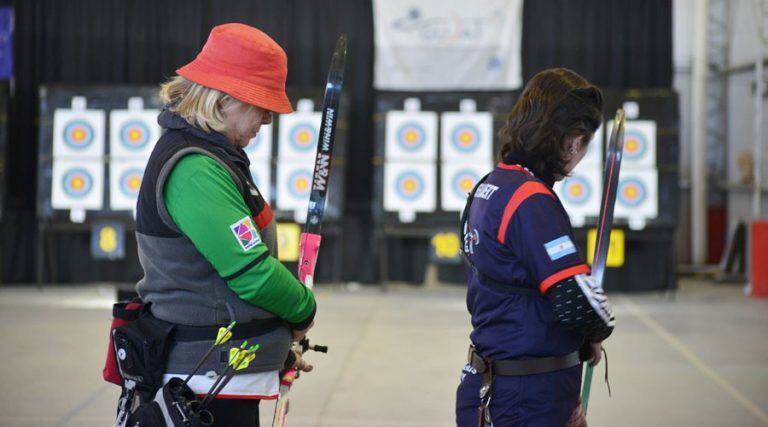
x,y
465,137
300,183
632,192
130,182
463,182
246,234
411,136
77,183
409,185
134,135
576,190
635,145
302,136
78,134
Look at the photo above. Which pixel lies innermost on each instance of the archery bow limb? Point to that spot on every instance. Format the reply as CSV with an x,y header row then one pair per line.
x,y
605,222
309,244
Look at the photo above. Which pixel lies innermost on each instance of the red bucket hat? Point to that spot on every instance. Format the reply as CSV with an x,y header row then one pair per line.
x,y
244,63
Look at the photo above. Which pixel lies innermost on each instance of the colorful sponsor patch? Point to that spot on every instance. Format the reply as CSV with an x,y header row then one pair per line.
x,y
246,233
559,248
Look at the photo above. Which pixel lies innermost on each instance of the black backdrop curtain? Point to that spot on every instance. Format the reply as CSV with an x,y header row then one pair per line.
x,y
613,43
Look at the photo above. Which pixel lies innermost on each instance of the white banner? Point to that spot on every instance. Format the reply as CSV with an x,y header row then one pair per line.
x,y
447,44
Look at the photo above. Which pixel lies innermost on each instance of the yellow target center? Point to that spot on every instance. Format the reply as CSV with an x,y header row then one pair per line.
x,y
576,190
301,184
78,135
134,135
465,137
78,183
411,136
134,182
409,185
630,192
303,137
466,184
632,145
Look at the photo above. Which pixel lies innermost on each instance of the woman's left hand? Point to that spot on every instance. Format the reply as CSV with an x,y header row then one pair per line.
x,y
301,364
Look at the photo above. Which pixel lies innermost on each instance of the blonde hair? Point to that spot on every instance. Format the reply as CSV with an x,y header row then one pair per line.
x,y
202,107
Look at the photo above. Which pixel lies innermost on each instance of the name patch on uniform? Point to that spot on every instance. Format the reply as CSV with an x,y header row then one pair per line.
x,y
559,248
485,191
246,234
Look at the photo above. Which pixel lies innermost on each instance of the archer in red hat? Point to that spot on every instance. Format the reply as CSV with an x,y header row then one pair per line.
x,y
207,238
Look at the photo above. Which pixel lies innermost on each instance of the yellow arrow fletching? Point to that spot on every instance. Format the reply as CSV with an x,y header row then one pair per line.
x,y
223,336
233,352
246,361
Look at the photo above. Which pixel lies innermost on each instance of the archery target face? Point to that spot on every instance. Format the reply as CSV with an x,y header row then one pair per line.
x,y
457,180
298,134
133,133
637,194
639,143
78,133
260,147
466,135
261,173
77,184
294,184
409,187
124,184
411,135
580,193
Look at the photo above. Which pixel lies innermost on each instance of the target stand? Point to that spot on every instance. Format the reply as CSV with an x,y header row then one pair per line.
x,y
92,153
428,155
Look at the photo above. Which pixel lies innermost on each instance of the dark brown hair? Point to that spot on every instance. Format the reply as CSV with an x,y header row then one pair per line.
x,y
556,102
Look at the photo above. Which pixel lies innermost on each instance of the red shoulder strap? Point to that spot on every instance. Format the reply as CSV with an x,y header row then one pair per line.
x,y
528,189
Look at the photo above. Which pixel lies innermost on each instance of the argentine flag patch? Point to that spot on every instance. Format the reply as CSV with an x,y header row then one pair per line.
x,y
559,248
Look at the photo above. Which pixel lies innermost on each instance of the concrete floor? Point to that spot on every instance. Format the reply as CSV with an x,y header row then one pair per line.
x,y
395,359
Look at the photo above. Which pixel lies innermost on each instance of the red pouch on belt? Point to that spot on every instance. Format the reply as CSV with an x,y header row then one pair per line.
x,y
122,314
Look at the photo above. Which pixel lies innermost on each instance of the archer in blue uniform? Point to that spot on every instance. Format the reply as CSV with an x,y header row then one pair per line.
x,y
532,301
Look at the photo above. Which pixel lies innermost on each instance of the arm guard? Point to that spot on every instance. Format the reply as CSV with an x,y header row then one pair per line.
x,y
580,305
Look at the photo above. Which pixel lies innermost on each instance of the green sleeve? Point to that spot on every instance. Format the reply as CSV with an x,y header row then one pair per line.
x,y
205,204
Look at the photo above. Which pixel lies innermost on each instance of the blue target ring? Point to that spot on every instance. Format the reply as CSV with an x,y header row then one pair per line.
x,y
77,183
411,136
632,192
635,145
465,137
576,190
463,182
134,135
130,182
300,183
409,185
78,134
302,137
